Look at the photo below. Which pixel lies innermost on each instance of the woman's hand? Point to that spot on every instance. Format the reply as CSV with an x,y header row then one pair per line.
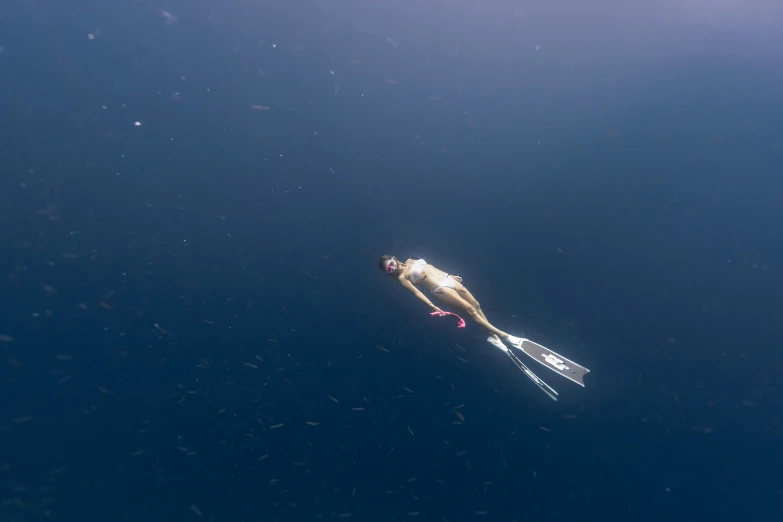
x,y
436,308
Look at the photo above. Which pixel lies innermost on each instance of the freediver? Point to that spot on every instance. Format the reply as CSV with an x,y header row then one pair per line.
x,y
415,273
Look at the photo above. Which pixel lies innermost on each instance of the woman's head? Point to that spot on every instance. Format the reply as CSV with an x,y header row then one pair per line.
x,y
389,264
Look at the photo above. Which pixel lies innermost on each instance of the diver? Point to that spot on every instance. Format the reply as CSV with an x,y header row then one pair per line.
x,y
415,273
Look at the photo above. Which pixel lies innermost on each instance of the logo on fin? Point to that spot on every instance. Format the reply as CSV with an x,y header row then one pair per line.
x,y
554,361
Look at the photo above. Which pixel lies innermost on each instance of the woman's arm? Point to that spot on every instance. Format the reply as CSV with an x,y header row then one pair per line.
x,y
409,286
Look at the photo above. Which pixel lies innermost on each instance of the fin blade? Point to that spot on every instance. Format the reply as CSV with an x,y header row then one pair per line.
x,y
532,376
557,363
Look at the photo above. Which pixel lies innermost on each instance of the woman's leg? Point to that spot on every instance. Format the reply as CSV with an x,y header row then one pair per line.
x,y
467,296
454,298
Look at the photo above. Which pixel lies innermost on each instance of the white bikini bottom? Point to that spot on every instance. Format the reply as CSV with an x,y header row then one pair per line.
x,y
446,282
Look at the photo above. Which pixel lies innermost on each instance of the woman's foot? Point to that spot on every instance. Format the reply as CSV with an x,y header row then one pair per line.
x,y
495,341
516,342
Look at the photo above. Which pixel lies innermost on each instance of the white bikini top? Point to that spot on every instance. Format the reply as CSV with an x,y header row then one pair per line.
x,y
416,270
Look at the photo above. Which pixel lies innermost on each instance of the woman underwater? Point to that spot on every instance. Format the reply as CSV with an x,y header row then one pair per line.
x,y
415,273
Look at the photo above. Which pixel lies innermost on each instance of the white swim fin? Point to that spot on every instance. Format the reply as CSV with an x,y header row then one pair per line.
x,y
532,376
557,363
497,343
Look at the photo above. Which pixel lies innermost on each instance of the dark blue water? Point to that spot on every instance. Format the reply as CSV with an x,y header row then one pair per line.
x,y
192,208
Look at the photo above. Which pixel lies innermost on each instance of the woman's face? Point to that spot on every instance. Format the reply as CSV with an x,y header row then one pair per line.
x,y
392,265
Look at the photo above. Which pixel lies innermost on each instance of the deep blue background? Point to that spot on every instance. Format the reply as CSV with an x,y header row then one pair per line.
x,y
607,183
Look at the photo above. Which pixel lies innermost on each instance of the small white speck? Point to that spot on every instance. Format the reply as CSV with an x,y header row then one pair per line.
x,y
137,123
91,36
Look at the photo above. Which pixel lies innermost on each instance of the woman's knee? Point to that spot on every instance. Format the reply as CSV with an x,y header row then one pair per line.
x,y
472,311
